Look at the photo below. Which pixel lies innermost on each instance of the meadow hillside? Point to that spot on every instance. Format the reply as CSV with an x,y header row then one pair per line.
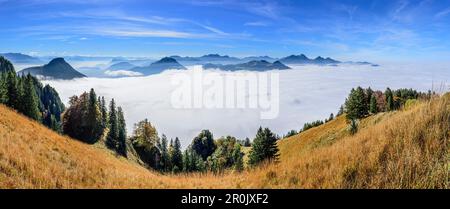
x,y
401,149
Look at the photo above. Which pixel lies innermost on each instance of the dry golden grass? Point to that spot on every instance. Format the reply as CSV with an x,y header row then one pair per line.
x,y
405,149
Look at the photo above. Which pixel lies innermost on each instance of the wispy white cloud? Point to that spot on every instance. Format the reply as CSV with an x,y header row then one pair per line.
x,y
257,23
442,13
215,30
144,32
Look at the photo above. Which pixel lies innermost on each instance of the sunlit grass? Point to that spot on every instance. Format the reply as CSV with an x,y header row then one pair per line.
x,y
404,149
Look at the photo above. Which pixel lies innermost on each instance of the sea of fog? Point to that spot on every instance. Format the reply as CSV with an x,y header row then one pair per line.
x,y
307,93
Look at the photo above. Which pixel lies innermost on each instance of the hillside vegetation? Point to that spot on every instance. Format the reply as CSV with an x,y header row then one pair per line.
x,y
401,149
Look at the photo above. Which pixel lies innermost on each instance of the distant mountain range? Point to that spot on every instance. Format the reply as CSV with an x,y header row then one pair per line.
x,y
19,58
57,68
289,60
303,59
256,65
165,63
127,66
121,66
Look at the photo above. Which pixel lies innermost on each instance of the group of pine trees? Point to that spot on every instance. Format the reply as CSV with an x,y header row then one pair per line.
x,y
28,96
88,119
363,102
203,154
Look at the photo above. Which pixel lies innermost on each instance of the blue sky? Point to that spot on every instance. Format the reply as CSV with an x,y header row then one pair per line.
x,y
372,30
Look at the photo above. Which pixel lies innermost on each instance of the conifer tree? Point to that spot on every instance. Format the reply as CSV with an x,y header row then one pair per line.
x,y
170,151
356,105
104,112
30,101
389,100
373,105
113,133
164,153
3,89
122,133
93,118
264,147
176,156
238,158
13,99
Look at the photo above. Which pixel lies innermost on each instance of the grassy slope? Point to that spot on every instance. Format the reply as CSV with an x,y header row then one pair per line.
x,y
407,149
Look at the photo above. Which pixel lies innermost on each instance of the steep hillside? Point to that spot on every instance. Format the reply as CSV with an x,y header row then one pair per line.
x,y
404,149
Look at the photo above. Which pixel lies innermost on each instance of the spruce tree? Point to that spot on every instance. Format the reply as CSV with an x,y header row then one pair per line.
x,y
122,135
356,105
368,93
389,100
164,153
113,133
93,123
373,105
238,163
176,156
104,112
13,99
170,151
264,147
30,101
3,91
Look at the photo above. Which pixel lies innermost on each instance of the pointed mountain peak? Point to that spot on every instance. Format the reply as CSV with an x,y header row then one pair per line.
x,y
58,60
167,60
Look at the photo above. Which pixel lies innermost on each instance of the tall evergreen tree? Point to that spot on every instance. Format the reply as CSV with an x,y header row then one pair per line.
x,y
12,88
111,140
122,135
104,112
30,100
264,147
164,153
373,105
94,118
356,105
3,89
176,156
389,100
238,162
368,93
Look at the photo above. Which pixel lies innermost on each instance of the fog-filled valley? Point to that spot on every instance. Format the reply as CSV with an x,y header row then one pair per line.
x,y
307,93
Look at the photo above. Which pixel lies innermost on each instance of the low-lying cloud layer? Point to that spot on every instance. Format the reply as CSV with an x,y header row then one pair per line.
x,y
307,93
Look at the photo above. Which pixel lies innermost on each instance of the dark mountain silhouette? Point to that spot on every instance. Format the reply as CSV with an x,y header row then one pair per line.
x,y
303,59
256,65
57,68
209,58
165,63
267,58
